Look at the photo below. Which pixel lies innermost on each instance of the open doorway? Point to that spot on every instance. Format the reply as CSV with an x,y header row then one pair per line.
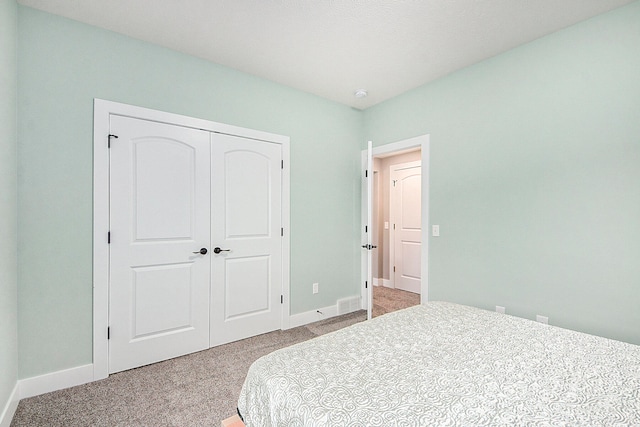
x,y
396,231
399,209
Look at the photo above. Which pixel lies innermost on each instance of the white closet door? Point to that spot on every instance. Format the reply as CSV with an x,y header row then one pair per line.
x,y
160,201
246,221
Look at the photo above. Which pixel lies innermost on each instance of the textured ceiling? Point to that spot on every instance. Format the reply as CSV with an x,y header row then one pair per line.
x,y
331,48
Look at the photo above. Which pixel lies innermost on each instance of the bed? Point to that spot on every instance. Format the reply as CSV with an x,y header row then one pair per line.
x,y
445,364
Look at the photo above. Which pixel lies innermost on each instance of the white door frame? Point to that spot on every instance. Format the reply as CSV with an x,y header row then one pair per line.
x,y
101,111
421,142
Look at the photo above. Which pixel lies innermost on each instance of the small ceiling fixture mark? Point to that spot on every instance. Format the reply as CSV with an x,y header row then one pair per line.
x,y
360,93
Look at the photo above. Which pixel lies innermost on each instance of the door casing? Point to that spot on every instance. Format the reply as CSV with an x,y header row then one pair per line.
x,y
102,111
422,142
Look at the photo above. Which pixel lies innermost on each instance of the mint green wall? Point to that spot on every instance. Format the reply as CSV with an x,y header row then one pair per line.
x,y
63,65
8,202
535,176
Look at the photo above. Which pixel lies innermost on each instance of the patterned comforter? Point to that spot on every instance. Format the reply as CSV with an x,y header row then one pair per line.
x,y
446,364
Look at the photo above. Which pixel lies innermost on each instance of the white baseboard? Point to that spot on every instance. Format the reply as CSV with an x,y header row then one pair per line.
x,y
311,316
55,381
10,408
378,281
307,317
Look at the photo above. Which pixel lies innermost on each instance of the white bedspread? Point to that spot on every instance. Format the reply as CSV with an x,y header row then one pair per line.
x,y
446,364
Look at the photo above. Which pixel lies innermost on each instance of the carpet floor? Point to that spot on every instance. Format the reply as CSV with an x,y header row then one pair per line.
x,y
199,389
386,300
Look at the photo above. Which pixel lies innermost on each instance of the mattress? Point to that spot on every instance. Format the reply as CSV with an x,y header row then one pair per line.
x,y
445,364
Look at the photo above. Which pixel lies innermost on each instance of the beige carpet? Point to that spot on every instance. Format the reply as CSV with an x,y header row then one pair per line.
x,y
386,300
200,389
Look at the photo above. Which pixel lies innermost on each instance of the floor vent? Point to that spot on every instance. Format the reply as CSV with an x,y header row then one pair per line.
x,y
348,305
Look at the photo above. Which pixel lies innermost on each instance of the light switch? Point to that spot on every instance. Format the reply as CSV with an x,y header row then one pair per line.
x,y
386,225
435,230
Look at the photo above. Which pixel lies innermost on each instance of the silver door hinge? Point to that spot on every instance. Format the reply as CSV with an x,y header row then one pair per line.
x,y
281,164
394,268
109,238
281,299
108,333
366,173
282,232
366,284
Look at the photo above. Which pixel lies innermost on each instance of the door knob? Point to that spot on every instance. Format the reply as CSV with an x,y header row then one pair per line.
x,y
202,251
218,250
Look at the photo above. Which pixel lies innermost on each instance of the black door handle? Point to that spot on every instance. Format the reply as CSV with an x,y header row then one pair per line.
x,y
218,250
202,251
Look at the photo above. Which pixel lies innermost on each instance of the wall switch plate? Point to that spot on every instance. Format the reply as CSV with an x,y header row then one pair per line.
x,y
542,319
435,230
315,288
500,309
386,225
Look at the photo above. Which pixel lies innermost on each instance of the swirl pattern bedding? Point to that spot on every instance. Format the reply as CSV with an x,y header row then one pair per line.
x,y
446,364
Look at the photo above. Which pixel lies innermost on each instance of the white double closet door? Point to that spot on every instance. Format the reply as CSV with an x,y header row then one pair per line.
x,y
176,193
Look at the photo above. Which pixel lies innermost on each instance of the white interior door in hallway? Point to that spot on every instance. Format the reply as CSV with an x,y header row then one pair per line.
x,y
172,190
406,208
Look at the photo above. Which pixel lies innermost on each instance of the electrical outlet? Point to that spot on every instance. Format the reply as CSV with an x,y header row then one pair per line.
x,y
542,319
315,288
500,309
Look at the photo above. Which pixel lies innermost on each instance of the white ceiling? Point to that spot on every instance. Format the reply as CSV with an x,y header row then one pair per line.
x,y
331,48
